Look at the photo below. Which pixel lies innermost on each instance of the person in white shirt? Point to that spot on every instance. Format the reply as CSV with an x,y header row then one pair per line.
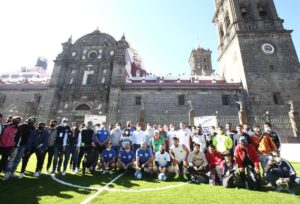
x,y
71,145
200,138
162,160
138,137
179,154
149,132
185,135
170,135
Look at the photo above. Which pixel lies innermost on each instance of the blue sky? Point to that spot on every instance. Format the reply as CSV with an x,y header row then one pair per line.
x,y
163,31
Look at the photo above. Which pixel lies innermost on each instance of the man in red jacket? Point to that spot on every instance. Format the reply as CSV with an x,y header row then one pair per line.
x,y
7,141
247,161
214,160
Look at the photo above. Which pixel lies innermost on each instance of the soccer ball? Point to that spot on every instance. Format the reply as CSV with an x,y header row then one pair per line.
x,y
162,176
138,175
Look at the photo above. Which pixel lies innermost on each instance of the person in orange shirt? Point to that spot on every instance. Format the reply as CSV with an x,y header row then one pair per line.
x,y
264,146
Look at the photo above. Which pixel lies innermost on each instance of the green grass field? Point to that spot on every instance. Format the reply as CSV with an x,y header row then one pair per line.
x,y
148,190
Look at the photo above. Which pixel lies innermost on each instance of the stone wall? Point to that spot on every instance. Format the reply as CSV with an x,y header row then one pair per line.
x,y
161,105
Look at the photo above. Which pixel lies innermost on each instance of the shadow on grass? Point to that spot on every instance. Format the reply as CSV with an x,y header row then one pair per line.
x,y
31,190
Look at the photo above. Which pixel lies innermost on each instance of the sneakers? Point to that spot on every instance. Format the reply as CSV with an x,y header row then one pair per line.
x,y
21,175
73,172
47,172
269,185
104,172
52,173
176,176
278,189
185,177
290,191
37,174
6,176
111,172
63,173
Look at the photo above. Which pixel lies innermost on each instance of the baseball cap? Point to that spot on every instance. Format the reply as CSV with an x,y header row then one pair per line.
x,y
156,131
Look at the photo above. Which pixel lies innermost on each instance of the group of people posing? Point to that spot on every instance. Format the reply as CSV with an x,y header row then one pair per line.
x,y
222,156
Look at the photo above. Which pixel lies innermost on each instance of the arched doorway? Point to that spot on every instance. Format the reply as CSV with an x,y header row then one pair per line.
x,y
80,112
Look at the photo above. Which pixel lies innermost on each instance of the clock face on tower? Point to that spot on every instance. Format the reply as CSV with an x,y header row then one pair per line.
x,y
268,49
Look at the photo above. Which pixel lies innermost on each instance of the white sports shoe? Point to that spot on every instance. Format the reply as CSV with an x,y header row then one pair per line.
x,y
63,173
36,174
73,172
104,172
21,175
111,172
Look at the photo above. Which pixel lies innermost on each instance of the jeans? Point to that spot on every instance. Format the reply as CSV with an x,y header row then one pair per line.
x,y
5,152
13,164
71,150
263,161
82,151
58,157
50,152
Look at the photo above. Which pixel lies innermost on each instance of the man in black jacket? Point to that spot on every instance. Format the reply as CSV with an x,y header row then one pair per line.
x,y
86,141
58,147
23,142
38,145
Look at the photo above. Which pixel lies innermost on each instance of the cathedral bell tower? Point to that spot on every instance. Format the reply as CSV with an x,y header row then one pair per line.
x,y
257,50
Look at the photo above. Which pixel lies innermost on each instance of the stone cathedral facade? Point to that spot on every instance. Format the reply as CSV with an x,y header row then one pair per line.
x,y
100,75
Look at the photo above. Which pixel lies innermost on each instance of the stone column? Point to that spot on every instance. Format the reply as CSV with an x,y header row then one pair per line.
x,y
243,119
142,118
142,115
191,117
295,119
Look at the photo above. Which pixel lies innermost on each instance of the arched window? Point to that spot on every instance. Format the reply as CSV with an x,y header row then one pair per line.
x,y
83,107
93,55
221,32
262,12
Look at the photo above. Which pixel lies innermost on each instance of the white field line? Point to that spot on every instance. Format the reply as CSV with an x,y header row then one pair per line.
x,y
72,185
106,188
100,190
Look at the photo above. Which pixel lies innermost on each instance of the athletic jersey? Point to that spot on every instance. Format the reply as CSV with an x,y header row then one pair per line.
x,y
178,152
184,137
200,139
126,157
171,135
144,155
102,135
108,155
162,159
155,143
124,141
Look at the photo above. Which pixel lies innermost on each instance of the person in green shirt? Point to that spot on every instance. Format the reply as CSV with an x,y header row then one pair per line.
x,y
222,142
156,141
